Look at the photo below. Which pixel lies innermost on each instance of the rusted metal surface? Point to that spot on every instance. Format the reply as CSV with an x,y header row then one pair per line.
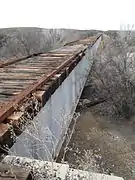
x,y
20,78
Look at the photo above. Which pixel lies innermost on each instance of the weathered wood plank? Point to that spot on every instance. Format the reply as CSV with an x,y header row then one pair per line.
x,y
17,78
3,129
19,75
59,54
15,82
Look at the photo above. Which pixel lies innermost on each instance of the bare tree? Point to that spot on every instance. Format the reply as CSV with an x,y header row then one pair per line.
x,y
114,68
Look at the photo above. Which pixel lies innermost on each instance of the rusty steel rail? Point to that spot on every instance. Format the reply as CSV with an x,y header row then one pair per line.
x,y
9,107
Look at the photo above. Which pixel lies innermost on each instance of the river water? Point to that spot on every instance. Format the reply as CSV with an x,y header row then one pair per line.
x,y
102,145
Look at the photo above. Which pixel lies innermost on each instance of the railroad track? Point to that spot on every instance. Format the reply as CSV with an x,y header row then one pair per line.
x,y
34,78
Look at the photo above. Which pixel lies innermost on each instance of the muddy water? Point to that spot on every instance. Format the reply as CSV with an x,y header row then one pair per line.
x,y
100,145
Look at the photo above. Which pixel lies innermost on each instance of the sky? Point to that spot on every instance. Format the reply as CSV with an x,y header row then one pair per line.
x,y
74,14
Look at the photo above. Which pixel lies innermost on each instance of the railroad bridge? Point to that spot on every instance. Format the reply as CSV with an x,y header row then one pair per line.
x,y
38,98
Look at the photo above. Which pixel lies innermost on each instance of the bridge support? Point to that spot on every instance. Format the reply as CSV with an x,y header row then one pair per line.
x,y
43,138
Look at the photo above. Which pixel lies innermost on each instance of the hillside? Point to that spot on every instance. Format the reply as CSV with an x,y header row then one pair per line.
x,y
28,40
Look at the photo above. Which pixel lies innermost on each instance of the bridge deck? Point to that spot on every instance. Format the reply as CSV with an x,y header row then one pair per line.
x,y
17,76
19,79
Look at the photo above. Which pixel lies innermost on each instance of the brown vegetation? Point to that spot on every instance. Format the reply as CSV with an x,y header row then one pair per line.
x,y
113,77
25,41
